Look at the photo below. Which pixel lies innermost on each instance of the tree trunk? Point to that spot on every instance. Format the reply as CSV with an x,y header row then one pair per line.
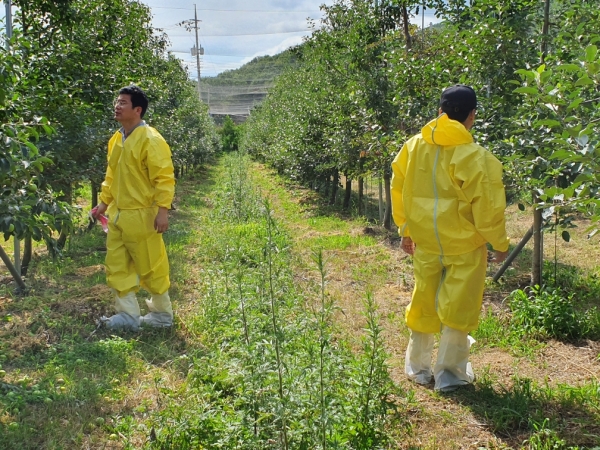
x,y
406,25
348,193
94,194
334,187
68,198
387,218
27,252
545,30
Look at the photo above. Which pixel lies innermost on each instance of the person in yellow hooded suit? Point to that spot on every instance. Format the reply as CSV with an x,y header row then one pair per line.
x,y
137,193
448,201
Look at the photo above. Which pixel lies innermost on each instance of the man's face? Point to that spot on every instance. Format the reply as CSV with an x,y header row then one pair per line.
x,y
124,110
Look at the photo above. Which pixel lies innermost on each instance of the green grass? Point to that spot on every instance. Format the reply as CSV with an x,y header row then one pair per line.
x,y
219,377
538,411
241,293
327,223
339,242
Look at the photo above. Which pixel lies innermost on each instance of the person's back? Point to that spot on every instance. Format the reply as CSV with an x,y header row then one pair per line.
x,y
448,201
453,195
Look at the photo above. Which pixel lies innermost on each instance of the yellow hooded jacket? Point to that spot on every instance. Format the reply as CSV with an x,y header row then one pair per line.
x,y
140,171
447,191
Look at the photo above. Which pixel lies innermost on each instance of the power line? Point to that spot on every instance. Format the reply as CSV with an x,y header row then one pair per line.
x,y
216,54
246,34
280,11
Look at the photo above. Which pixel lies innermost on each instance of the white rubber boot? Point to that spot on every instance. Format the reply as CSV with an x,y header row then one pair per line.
x,y
161,311
453,368
128,313
417,364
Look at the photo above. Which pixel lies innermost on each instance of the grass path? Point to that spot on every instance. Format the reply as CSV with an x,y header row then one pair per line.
x,y
66,385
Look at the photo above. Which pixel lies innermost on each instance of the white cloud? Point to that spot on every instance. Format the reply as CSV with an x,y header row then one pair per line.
x,y
284,45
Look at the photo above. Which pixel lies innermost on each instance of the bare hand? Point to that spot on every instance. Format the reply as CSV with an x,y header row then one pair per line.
x,y
100,210
161,223
408,246
499,256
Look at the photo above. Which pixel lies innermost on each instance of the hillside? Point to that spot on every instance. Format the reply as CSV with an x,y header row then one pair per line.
x,y
261,70
235,92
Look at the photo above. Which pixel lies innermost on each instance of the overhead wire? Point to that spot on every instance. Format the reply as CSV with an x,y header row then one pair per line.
x,y
279,11
248,34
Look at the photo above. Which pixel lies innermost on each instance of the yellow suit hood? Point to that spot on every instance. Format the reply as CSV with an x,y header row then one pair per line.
x,y
445,131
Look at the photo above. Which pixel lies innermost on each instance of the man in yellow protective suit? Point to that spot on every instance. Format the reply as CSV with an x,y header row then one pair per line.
x,y
448,201
137,193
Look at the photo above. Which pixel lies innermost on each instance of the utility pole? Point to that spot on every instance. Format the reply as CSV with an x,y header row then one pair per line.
x,y
423,22
197,51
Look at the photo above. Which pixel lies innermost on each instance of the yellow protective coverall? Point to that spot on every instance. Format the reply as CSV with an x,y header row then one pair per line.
x,y
139,179
448,197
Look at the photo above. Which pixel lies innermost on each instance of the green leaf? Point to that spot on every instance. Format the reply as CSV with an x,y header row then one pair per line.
x,y
521,207
561,154
584,81
568,67
584,177
575,103
547,122
526,90
590,53
566,236
32,147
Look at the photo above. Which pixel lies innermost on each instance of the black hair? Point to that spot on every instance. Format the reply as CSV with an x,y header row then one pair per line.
x,y
455,113
138,97
458,101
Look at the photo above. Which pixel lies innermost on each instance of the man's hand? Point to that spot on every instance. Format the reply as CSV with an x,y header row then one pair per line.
x,y
408,245
499,256
161,223
100,210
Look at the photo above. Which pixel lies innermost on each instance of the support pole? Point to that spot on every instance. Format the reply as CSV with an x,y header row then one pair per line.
x,y
380,200
538,244
513,254
13,271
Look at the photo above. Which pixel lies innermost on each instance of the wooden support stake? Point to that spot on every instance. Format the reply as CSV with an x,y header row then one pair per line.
x,y
13,271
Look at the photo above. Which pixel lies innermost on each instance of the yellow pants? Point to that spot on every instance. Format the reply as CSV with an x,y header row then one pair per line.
x,y
448,290
136,254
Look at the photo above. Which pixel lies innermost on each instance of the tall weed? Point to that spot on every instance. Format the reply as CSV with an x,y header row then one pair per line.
x,y
270,374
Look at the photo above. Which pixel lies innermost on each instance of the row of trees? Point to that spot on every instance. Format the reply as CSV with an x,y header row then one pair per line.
x,y
58,80
368,79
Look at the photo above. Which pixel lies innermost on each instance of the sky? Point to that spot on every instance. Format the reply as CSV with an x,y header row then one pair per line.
x,y
233,32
